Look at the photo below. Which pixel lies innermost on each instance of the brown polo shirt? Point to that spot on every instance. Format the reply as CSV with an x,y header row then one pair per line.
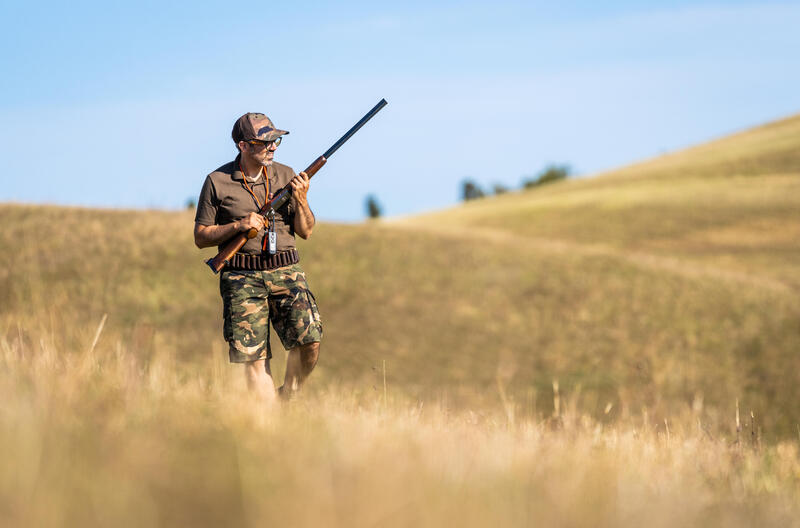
x,y
225,199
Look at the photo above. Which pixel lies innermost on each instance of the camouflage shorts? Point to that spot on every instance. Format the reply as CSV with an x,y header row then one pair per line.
x,y
251,299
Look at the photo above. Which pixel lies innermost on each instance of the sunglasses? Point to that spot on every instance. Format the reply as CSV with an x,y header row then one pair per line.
x,y
266,144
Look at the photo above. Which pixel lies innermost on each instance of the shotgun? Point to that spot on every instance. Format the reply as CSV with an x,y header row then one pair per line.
x,y
285,193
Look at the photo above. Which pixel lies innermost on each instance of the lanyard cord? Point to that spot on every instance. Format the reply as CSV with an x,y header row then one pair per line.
x,y
244,179
258,202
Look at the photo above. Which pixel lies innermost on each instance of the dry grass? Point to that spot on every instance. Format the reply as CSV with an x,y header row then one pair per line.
x,y
102,438
145,423
658,296
445,313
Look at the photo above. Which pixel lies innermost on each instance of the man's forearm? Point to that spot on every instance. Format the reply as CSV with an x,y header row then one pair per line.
x,y
303,218
214,235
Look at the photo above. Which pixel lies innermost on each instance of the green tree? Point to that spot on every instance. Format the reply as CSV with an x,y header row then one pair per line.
x,y
499,188
372,206
551,173
471,191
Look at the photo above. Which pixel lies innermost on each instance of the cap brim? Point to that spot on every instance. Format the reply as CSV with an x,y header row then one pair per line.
x,y
272,135
275,134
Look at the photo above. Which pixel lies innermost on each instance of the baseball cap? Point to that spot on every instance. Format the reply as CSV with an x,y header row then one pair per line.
x,y
254,125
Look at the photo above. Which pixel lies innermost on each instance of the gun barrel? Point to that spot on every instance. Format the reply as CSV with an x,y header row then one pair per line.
x,y
355,128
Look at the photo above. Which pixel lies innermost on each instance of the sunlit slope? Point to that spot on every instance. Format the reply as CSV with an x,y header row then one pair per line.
x,y
731,205
768,149
464,320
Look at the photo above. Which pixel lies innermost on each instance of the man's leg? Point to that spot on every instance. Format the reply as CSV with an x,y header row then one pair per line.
x,y
246,328
299,365
259,379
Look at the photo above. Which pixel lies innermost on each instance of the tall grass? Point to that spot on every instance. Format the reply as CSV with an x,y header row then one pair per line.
x,y
99,437
445,311
619,351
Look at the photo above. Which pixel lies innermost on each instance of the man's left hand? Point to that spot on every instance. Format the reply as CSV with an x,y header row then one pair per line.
x,y
300,184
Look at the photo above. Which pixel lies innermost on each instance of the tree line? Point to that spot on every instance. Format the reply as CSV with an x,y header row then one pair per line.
x,y
470,190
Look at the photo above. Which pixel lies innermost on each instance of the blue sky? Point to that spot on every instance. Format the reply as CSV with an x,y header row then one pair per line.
x,y
132,105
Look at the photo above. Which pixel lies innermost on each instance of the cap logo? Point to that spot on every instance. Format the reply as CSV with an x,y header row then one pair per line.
x,y
264,130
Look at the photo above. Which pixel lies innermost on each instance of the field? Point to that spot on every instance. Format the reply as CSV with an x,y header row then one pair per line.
x,y
572,355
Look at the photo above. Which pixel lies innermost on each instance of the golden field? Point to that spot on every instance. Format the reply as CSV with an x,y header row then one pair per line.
x,y
571,355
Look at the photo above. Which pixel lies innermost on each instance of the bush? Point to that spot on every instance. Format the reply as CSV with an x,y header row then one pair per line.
x,y
499,188
550,174
471,191
372,206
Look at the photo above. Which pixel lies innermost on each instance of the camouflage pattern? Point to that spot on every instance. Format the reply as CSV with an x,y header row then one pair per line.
x,y
254,125
252,298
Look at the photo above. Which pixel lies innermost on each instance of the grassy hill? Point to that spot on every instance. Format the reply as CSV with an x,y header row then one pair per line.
x,y
730,206
660,293
662,284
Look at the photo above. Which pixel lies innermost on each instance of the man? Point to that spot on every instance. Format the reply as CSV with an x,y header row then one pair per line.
x,y
263,282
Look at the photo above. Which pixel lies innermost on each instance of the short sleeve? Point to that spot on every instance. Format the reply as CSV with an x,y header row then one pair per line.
x,y
207,204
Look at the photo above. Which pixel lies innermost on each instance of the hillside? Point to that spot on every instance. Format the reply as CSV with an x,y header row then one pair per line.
x,y
671,284
576,355
731,206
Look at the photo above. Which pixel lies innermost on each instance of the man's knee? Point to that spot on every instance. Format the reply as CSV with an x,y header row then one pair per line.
x,y
309,354
255,369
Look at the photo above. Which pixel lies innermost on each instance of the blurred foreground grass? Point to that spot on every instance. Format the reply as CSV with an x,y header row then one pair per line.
x,y
103,438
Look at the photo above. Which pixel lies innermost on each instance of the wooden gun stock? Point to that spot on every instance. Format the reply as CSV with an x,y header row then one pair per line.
x,y
284,194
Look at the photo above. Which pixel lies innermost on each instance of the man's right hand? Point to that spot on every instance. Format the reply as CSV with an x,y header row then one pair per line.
x,y
251,221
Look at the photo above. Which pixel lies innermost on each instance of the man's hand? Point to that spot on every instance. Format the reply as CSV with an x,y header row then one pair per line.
x,y
300,185
251,221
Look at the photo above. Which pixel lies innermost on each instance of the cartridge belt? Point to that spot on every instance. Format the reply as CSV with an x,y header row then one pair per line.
x,y
243,261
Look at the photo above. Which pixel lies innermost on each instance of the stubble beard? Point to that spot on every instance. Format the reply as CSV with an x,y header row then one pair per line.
x,y
263,162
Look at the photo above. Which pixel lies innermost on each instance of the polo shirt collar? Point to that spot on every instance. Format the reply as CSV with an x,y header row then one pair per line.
x,y
238,175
